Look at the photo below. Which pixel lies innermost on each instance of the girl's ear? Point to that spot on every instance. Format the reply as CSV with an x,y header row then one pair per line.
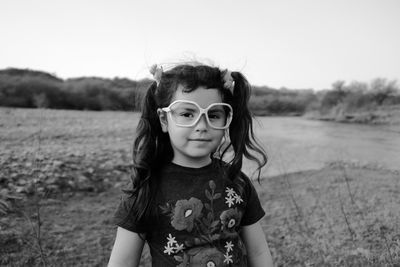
x,y
163,120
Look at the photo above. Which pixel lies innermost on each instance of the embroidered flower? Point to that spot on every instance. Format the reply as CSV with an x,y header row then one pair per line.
x,y
238,199
229,246
230,219
171,240
185,213
228,258
168,249
229,201
230,191
178,248
210,257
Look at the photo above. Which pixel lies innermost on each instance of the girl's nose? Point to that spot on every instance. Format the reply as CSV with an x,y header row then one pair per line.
x,y
202,124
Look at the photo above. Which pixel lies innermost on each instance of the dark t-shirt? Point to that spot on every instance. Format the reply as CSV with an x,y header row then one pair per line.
x,y
200,217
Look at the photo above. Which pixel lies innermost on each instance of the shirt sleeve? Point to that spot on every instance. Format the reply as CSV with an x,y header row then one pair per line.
x,y
123,217
254,211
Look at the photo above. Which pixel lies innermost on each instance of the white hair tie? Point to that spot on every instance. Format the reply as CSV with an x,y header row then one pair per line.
x,y
156,72
228,80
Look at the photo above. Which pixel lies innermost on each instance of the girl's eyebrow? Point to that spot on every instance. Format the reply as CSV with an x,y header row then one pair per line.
x,y
216,109
185,104
188,108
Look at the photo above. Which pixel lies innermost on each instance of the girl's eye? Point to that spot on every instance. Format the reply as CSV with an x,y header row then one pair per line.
x,y
215,115
186,114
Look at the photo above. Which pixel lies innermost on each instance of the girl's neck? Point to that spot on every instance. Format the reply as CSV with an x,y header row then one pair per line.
x,y
195,163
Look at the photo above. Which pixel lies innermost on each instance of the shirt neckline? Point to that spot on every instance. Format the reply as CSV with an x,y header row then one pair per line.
x,y
173,167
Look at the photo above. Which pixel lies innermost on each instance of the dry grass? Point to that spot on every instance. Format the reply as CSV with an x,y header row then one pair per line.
x,y
340,215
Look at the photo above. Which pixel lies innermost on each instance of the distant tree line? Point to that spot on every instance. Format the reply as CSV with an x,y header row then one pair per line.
x,y
269,101
340,99
33,89
359,96
37,89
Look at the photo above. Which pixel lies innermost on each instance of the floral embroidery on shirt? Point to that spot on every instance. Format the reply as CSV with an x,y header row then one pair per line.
x,y
228,257
208,257
232,197
230,219
171,239
185,213
204,246
229,246
172,246
230,201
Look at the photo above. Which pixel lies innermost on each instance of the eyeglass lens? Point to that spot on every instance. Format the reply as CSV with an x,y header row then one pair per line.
x,y
187,114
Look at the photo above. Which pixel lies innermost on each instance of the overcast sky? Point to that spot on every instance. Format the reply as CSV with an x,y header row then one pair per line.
x,y
282,43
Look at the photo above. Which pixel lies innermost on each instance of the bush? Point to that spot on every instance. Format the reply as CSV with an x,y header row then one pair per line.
x,y
267,101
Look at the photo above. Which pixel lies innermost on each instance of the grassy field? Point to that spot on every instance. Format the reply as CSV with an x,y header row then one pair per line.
x,y
63,171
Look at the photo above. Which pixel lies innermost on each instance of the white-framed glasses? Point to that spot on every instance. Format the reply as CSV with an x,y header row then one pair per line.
x,y
185,113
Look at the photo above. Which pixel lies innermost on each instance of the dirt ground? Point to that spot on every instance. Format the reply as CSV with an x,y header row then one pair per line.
x,y
313,218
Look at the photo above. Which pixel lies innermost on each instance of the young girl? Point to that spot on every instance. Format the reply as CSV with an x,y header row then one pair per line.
x,y
190,206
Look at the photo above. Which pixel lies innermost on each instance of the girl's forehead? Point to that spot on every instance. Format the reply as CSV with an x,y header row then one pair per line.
x,y
201,95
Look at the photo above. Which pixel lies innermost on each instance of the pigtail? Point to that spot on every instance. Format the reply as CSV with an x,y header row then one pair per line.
x,y
241,129
145,156
145,143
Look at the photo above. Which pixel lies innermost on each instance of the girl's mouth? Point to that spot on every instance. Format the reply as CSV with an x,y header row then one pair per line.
x,y
200,140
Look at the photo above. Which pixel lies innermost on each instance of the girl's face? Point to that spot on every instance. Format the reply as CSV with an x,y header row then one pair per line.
x,y
192,146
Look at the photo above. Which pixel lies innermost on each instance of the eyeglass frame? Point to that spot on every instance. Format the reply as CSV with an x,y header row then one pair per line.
x,y
202,111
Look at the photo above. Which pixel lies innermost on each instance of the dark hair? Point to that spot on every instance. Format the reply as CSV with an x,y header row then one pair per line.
x,y
152,146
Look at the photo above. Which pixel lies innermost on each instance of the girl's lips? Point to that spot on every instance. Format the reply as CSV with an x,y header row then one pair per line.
x,y
200,140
